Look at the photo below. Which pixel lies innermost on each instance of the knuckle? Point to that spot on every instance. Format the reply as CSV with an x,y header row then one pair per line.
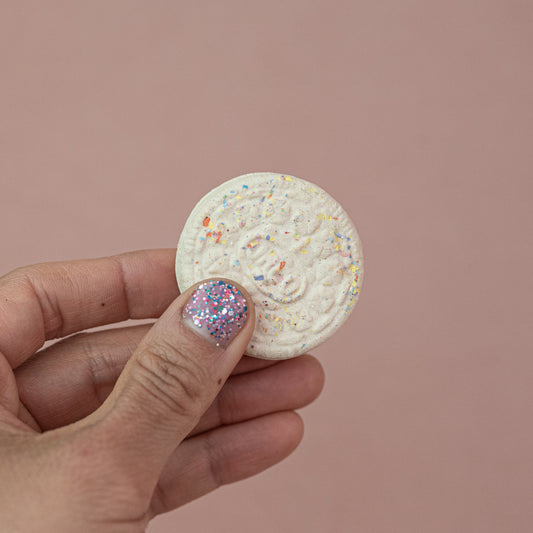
x,y
23,275
34,281
173,377
22,272
227,404
215,464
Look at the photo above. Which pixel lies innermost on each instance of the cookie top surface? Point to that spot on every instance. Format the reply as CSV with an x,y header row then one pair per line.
x,y
289,244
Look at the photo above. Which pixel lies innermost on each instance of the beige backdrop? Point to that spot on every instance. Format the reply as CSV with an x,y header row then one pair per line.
x,y
117,116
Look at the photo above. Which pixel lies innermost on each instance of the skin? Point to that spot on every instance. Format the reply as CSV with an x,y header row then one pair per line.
x,y
104,430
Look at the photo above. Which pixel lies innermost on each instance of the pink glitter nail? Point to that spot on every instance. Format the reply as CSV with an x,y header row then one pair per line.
x,y
217,311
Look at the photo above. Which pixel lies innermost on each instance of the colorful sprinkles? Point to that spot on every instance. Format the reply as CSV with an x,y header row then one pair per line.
x,y
282,238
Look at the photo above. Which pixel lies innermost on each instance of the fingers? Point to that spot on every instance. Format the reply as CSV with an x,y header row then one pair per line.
x,y
173,376
288,385
9,398
225,455
71,378
49,300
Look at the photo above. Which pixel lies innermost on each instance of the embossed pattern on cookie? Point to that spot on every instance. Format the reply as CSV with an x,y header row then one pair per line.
x,y
290,244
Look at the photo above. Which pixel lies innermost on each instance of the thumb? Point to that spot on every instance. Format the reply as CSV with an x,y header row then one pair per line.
x,y
175,374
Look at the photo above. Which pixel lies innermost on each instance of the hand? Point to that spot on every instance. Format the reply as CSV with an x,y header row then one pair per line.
x,y
103,430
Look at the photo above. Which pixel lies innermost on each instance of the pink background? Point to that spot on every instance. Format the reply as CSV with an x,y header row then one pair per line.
x,y
116,117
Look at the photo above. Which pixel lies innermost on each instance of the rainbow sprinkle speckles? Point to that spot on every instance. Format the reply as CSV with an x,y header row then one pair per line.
x,y
216,310
289,244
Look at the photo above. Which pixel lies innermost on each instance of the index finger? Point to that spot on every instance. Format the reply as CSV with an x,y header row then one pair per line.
x,y
51,300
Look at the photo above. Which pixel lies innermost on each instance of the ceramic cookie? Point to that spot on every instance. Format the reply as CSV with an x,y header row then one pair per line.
x,y
289,244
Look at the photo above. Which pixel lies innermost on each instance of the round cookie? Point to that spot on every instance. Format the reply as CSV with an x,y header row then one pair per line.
x,y
289,244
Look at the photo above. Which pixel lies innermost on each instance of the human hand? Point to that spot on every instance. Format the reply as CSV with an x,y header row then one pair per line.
x,y
103,430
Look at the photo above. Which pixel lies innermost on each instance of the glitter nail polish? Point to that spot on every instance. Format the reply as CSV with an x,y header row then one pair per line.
x,y
217,311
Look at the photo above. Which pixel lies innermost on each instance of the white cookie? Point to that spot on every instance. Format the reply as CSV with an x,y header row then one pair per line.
x,y
286,241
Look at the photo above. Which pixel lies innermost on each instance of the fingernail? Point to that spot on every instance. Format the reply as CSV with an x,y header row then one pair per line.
x,y
217,310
